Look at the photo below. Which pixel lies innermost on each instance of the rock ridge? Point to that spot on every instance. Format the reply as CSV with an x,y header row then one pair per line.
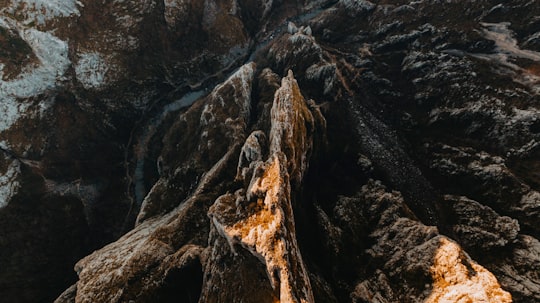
x,y
269,151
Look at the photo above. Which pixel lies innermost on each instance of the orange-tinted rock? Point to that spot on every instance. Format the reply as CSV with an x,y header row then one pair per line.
x,y
398,164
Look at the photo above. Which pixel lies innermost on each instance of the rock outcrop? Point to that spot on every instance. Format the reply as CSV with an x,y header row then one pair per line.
x,y
269,151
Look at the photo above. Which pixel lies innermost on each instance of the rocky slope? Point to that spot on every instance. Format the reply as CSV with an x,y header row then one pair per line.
x,y
269,151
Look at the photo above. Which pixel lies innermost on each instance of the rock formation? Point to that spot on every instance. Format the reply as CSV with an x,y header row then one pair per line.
x,y
269,151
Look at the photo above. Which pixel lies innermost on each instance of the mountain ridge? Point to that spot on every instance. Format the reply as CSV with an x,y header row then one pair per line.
x,y
264,151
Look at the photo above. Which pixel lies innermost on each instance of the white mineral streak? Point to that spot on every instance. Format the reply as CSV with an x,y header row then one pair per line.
x,y
269,233
51,52
53,63
10,111
41,11
91,70
457,278
8,183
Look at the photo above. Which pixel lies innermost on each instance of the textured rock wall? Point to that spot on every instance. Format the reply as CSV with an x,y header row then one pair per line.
x,y
269,151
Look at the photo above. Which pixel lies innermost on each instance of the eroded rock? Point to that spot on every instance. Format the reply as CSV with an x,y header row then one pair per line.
x,y
258,218
171,138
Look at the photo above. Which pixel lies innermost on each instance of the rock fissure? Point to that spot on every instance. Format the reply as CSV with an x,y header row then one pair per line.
x,y
269,151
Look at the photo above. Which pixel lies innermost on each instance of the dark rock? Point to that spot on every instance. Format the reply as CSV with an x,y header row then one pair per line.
x,y
226,151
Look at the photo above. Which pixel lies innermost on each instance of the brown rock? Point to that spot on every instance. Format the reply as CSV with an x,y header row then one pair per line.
x,y
258,218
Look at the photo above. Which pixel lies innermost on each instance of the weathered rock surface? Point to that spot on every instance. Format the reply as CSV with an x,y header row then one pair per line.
x,y
269,151
424,265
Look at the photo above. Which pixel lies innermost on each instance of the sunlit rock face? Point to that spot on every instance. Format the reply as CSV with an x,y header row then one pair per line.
x,y
269,151
259,217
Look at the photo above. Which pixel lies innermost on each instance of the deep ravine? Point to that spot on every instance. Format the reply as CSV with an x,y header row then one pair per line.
x,y
269,151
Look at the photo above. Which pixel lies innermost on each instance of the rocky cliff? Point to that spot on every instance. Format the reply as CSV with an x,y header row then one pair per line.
x,y
269,151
